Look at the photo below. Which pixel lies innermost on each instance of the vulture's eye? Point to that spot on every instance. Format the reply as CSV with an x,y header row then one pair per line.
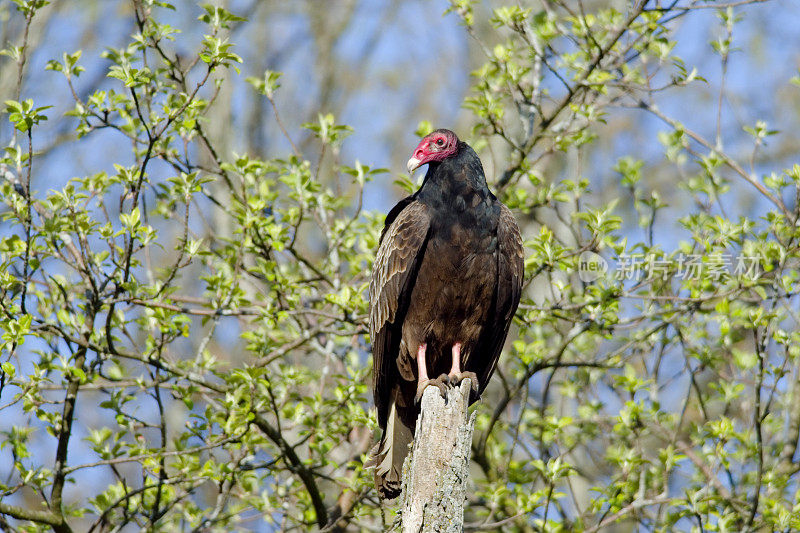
x,y
440,141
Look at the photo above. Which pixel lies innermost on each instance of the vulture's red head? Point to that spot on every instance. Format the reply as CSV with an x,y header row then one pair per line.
x,y
436,146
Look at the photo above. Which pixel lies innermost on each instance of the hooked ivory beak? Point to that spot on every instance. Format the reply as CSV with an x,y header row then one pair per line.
x,y
412,165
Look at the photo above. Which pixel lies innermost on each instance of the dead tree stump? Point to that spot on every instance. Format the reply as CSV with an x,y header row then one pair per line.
x,y
436,471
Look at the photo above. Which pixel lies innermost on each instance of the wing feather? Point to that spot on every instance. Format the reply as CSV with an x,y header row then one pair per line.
x,y
394,272
508,290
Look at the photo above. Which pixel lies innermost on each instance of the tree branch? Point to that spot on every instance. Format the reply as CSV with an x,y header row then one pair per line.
x,y
40,517
297,466
436,471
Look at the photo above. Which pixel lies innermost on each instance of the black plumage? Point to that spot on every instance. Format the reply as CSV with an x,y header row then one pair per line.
x,y
445,285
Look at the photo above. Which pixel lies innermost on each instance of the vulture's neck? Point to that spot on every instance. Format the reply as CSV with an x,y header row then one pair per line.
x,y
458,176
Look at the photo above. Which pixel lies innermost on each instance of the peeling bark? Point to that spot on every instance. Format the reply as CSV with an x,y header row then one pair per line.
x,y
436,471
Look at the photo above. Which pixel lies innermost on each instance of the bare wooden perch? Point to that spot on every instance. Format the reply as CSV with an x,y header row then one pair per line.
x,y
436,472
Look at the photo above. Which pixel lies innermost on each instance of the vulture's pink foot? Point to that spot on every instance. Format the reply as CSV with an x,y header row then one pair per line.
x,y
455,379
456,376
439,382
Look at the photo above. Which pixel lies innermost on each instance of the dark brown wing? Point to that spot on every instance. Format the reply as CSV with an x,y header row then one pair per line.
x,y
508,290
395,269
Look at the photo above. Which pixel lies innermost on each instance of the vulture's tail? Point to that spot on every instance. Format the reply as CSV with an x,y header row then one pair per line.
x,y
388,455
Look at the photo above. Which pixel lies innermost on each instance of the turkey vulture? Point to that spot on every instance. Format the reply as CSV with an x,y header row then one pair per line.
x,y
445,285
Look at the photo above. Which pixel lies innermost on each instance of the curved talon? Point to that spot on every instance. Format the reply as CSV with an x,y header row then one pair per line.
x,y
423,384
455,379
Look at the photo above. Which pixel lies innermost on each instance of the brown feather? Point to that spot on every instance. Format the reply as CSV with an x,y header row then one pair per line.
x,y
401,248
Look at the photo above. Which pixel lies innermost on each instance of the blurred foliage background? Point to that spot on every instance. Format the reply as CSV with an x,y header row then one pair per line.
x,y
191,199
